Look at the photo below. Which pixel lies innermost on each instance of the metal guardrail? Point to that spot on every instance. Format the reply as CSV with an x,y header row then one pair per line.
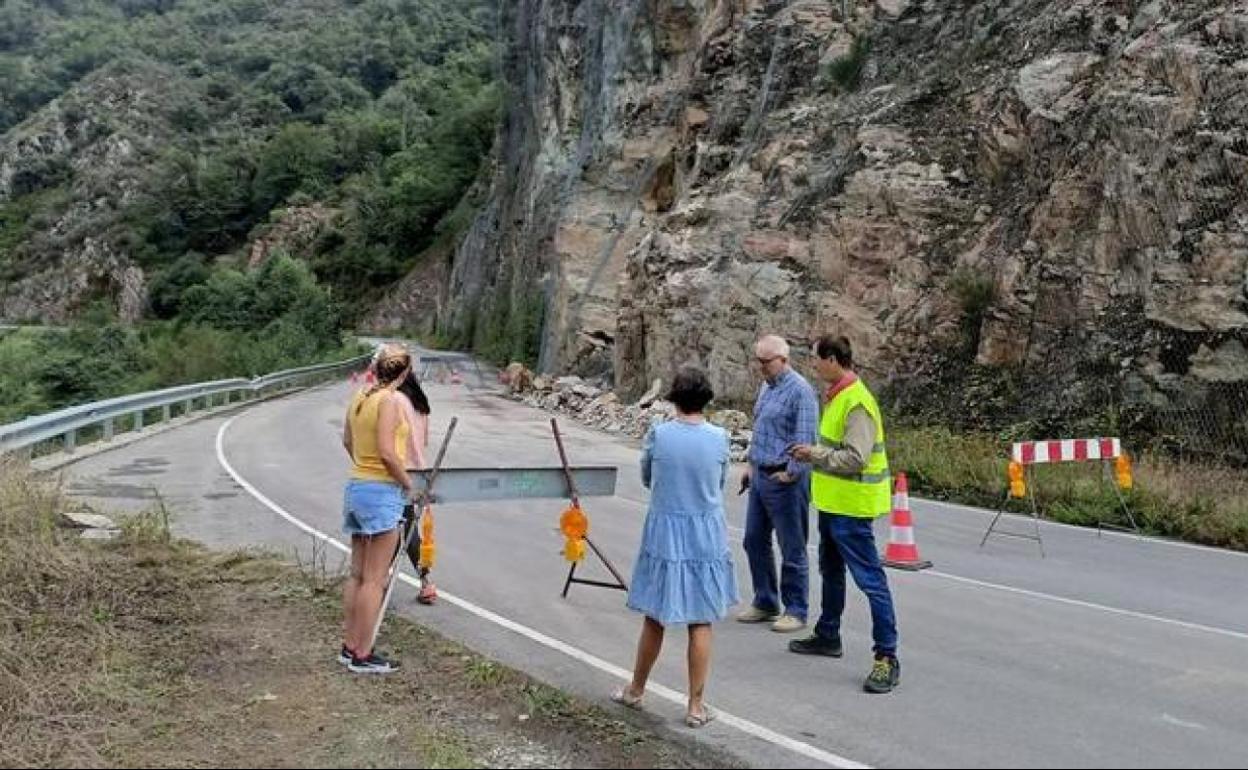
x,y
66,423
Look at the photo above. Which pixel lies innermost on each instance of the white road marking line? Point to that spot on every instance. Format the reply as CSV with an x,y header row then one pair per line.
x,y
1149,539
1064,600
1182,722
666,693
1091,605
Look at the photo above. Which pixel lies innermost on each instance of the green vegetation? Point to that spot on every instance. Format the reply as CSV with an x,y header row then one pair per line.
x,y
846,71
1189,501
975,293
233,325
185,129
508,333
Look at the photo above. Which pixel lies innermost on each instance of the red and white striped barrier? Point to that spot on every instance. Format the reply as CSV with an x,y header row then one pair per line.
x,y
1066,450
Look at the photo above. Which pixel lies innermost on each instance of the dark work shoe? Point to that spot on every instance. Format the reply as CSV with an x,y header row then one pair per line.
x,y
373,664
817,645
344,655
885,675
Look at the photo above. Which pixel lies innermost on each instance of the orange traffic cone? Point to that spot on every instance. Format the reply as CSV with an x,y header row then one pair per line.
x,y
902,553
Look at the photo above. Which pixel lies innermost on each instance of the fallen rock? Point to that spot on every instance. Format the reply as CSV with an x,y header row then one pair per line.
x,y
99,534
517,377
730,419
88,520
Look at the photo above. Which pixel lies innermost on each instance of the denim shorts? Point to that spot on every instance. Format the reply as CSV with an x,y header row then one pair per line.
x,y
371,507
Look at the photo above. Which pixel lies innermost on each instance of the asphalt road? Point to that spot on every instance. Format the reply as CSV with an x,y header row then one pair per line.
x,y
1112,651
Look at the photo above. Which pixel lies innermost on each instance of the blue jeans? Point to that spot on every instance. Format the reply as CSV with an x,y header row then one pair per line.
x,y
848,541
371,507
785,510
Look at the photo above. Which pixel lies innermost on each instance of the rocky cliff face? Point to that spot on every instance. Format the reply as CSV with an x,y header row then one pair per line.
x,y
987,197
90,148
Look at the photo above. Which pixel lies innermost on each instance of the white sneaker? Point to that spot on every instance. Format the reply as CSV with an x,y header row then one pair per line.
x,y
755,615
787,624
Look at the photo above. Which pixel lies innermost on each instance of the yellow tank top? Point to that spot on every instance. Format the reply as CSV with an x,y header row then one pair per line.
x,y
363,415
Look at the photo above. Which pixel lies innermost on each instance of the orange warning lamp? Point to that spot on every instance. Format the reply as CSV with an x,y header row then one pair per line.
x,y
1018,487
575,526
428,549
574,550
1122,469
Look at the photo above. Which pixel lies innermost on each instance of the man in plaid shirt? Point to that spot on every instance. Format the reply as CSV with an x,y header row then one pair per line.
x,y
786,413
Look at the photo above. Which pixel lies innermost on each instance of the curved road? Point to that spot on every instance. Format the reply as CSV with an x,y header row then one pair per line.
x,y
1113,652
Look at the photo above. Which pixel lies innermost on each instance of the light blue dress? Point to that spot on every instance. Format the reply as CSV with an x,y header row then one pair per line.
x,y
684,571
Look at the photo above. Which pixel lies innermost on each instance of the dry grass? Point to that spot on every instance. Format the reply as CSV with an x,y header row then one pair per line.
x,y
1189,501
65,612
148,652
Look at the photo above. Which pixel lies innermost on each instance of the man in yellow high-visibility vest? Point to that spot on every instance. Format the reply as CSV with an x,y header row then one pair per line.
x,y
851,487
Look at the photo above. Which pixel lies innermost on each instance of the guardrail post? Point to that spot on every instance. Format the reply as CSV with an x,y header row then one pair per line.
x,y
108,429
165,413
138,420
71,440
188,406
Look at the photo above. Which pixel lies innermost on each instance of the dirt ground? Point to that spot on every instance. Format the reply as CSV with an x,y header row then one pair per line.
x,y
142,652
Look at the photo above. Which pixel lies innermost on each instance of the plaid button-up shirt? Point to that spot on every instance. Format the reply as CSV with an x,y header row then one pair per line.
x,y
786,413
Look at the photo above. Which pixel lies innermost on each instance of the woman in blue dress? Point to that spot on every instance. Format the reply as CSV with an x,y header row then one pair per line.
x,y
684,572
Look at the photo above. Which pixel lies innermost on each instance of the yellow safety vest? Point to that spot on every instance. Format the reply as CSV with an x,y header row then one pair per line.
x,y
864,495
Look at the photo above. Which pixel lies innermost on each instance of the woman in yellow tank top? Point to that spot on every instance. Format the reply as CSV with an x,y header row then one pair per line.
x,y
375,435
